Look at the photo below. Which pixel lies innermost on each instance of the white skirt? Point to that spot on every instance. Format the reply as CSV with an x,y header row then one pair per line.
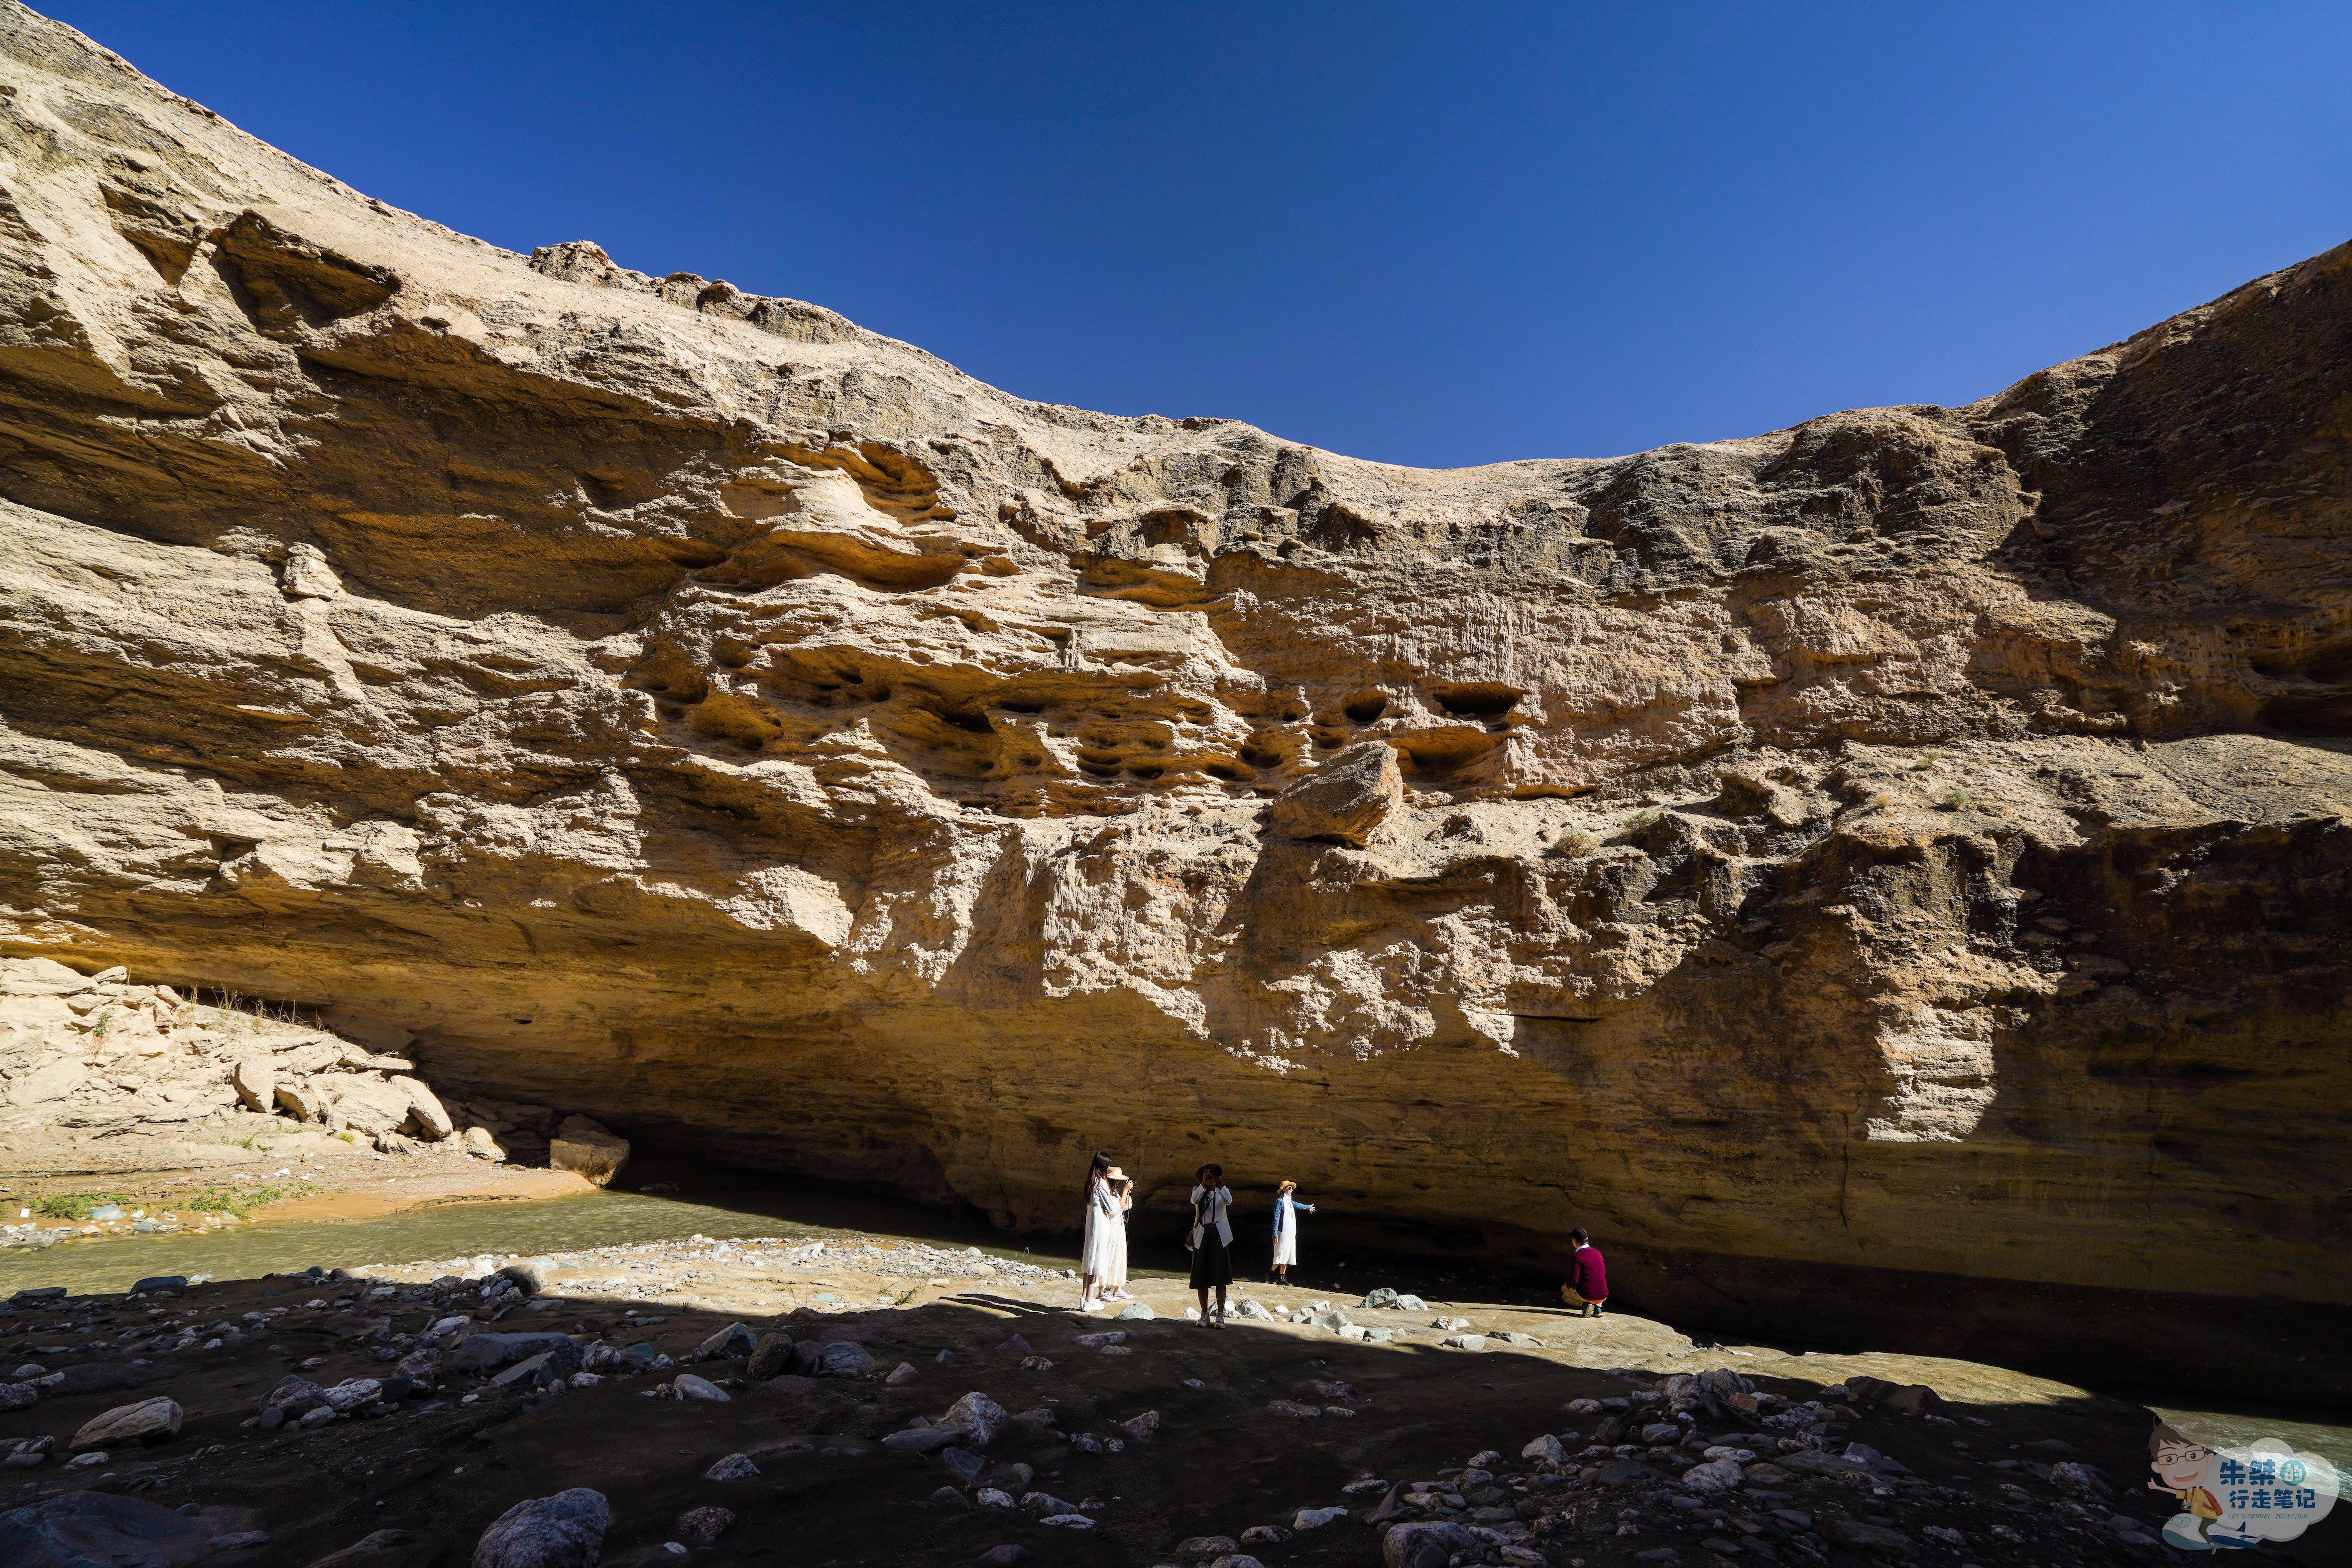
x,y
1113,1271
1285,1246
1104,1234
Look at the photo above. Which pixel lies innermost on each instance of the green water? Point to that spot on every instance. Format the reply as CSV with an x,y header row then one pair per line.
x,y
2239,1429
462,1229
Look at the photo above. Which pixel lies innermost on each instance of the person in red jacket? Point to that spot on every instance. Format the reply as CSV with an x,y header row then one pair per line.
x,y
1590,1288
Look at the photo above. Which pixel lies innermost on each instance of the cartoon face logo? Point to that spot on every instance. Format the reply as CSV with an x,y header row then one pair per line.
x,y
2180,1464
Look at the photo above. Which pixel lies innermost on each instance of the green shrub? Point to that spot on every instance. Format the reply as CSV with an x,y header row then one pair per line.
x,y
74,1205
1573,842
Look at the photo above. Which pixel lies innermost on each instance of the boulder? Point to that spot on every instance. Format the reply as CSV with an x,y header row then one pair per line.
x,y
431,1118
979,1415
352,1394
290,1396
1544,1450
734,1340
1812,1462
302,1099
1715,1476
1426,1544
565,1530
305,574
153,1420
770,1356
843,1358
529,1276
18,1395
255,1078
1344,801
690,1386
1911,1399
484,1352
704,1526
102,1529
913,1442
588,1149
364,1102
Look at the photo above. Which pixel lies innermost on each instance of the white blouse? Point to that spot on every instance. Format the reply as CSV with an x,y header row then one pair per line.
x,y
1212,1204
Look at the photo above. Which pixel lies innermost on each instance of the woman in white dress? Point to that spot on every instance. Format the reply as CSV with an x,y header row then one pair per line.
x,y
1114,1275
1102,1212
1286,1229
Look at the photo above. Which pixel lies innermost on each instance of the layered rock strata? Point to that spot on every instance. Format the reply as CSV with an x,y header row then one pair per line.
x,y
1899,858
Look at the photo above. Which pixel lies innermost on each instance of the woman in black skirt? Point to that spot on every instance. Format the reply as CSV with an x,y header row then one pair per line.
x,y
1212,1239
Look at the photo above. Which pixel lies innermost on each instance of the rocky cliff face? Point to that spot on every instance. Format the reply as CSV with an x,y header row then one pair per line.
x,y
1901,859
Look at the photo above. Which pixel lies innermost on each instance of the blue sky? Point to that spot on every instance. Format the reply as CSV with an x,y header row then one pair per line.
x,y
1436,235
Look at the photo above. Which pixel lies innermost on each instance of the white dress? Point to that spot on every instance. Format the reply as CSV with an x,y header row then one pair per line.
x,y
1286,1232
1114,1273
1102,1223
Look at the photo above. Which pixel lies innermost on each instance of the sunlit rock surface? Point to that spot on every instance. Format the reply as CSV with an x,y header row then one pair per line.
x,y
1890,869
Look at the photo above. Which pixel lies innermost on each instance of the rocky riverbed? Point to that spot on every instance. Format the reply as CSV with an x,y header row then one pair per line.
x,y
858,1399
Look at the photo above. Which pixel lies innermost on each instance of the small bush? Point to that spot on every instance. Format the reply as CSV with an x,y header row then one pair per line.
x,y
1574,842
1953,799
74,1205
229,1200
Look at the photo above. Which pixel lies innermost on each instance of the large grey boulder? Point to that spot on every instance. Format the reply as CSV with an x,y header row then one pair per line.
x,y
1426,1544
566,1530
979,1415
153,1420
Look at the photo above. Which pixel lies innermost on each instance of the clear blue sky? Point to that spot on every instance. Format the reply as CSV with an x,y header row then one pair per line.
x,y
1437,235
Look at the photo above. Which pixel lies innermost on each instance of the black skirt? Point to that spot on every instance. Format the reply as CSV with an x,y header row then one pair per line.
x,y
1213,1261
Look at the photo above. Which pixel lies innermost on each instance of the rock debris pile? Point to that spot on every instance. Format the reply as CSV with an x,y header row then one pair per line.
x,y
99,1073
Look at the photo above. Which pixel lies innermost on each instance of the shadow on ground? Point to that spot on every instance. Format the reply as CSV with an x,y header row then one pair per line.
x,y
1225,1457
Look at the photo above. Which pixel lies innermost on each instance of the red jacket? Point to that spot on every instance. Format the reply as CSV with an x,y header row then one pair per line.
x,y
1591,1279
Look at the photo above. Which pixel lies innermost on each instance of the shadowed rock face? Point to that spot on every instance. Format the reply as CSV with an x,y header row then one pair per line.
x,y
1900,858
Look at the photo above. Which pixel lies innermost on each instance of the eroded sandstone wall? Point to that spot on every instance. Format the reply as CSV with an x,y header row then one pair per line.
x,y
1909,847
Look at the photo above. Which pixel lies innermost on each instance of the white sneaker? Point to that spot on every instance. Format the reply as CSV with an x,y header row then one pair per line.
x,y
1090,1306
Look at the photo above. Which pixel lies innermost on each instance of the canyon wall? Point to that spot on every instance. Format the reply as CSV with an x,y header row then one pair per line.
x,y
1894,868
